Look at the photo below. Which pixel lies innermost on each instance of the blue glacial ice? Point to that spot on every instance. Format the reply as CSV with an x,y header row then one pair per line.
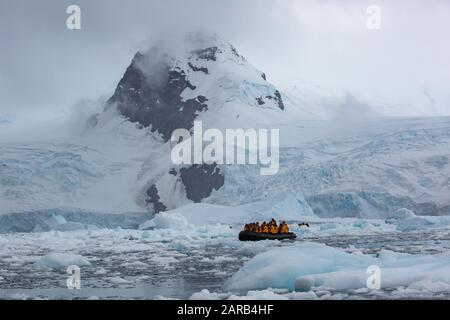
x,y
311,265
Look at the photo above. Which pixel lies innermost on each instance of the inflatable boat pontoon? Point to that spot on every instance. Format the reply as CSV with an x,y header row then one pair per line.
x,y
257,236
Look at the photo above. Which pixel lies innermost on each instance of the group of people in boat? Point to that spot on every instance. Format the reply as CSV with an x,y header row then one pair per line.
x,y
271,227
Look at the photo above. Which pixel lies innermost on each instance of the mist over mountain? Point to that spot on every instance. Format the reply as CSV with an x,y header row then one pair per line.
x,y
45,69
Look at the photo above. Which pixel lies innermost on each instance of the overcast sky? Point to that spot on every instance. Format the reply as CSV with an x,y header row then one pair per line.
x,y
46,68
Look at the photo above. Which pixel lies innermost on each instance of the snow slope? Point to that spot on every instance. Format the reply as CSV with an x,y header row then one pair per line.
x,y
101,171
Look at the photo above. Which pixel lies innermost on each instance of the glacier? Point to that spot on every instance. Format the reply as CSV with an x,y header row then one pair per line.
x,y
397,164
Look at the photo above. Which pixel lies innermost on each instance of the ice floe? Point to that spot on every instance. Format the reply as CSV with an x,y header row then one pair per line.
x,y
306,266
62,260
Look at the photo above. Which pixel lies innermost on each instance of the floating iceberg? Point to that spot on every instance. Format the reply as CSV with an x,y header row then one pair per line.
x,y
407,220
165,220
62,260
310,265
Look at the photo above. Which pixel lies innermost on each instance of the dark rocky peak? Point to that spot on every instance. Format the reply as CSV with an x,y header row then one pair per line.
x,y
208,54
150,94
235,52
197,69
156,91
213,52
154,65
276,97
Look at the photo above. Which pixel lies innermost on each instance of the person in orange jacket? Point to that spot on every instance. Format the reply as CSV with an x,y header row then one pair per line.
x,y
273,229
284,228
265,227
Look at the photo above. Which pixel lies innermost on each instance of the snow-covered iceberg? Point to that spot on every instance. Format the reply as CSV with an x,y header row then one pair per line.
x,y
62,260
311,265
166,220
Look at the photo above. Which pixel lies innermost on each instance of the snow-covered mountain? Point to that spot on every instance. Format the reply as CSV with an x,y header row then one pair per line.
x,y
210,82
122,163
363,167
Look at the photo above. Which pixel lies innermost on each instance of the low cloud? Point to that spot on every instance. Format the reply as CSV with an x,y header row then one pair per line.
x,y
45,68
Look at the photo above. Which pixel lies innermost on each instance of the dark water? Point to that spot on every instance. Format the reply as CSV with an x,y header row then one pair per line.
x,y
206,267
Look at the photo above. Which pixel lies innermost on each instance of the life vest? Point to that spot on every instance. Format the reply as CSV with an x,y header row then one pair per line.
x,y
273,229
265,229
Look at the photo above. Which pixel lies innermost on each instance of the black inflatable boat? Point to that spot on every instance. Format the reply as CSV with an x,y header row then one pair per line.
x,y
256,236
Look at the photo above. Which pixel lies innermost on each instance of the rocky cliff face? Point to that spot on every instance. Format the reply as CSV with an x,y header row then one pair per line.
x,y
154,100
198,182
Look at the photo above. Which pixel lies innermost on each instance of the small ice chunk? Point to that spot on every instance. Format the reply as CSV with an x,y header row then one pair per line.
x,y
118,280
165,220
136,264
204,295
62,260
268,294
